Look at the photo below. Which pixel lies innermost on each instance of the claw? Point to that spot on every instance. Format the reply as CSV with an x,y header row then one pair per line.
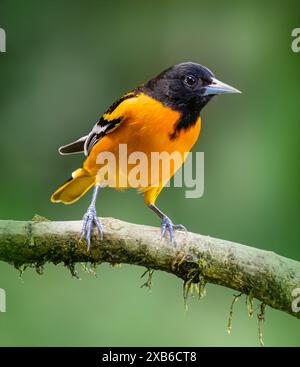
x,y
99,227
90,219
168,226
180,227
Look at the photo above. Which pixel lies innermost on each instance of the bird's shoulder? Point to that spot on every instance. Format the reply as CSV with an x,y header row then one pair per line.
x,y
111,119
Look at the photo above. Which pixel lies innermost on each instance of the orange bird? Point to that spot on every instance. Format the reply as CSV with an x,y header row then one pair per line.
x,y
162,115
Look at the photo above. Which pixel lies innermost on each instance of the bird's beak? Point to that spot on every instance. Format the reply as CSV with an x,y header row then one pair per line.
x,y
218,87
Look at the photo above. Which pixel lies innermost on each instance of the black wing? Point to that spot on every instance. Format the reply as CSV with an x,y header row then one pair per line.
x,y
101,128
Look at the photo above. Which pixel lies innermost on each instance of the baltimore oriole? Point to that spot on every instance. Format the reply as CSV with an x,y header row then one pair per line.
x,y
162,115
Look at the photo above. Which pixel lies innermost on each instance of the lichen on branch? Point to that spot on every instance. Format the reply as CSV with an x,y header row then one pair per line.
x,y
196,259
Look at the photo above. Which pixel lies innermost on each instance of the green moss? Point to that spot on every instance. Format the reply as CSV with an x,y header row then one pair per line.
x,y
229,323
39,218
148,282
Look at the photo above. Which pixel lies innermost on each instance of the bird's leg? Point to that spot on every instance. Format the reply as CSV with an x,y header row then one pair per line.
x,y
166,224
90,219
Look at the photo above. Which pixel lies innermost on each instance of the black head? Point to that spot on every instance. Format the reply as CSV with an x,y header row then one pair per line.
x,y
186,86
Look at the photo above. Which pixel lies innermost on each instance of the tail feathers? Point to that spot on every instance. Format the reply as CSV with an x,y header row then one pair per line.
x,y
74,188
74,147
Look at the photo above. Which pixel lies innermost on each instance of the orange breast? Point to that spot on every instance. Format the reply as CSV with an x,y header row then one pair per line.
x,y
146,128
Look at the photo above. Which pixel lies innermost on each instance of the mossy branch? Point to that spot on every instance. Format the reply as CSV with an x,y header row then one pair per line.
x,y
197,259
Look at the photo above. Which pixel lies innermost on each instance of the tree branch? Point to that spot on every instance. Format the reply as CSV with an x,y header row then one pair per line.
x,y
260,274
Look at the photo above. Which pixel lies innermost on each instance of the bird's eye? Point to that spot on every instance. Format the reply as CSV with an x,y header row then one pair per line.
x,y
190,80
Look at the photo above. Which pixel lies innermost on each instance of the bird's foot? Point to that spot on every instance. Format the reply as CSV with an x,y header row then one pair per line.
x,y
90,219
168,226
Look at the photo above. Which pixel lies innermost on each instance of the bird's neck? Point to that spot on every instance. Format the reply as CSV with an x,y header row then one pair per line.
x,y
188,118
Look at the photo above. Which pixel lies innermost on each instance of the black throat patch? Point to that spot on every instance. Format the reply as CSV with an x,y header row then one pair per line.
x,y
187,119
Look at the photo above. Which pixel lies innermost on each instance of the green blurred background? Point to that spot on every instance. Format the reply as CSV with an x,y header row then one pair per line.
x,y
66,62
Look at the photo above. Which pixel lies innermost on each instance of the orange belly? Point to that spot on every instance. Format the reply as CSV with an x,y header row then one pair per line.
x,y
144,134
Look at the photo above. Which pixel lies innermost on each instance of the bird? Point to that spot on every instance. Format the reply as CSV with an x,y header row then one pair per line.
x,y
161,115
